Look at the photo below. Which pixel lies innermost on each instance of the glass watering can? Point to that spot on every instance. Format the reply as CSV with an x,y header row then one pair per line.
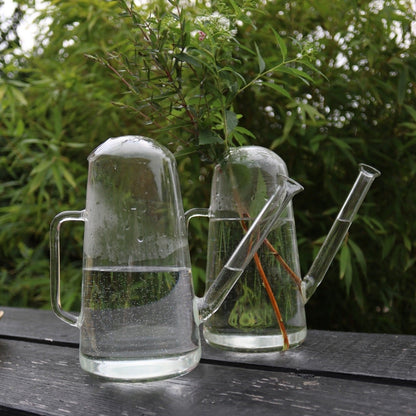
x,y
265,309
139,316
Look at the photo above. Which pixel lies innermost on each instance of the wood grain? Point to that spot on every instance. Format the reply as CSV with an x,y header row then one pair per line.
x,y
324,352
47,380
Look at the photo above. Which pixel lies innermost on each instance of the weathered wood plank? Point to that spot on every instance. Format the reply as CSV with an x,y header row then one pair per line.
x,y
47,380
373,355
36,324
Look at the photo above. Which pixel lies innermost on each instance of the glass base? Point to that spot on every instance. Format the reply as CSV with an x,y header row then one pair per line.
x,y
143,369
253,343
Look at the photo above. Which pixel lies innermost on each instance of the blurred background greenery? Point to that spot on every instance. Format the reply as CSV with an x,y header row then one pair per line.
x,y
57,105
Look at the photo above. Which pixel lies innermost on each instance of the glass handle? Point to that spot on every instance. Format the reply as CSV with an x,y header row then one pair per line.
x,y
195,212
55,263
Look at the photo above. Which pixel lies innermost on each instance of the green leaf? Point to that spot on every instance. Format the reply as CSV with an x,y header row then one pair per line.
x,y
245,132
313,68
20,128
184,57
234,72
2,91
411,126
68,176
345,258
277,88
289,123
209,137
316,142
36,182
302,75
18,95
411,111
345,271
342,144
407,243
240,138
359,256
260,60
236,8
42,166
231,121
281,43
387,245
311,111
373,223
75,145
206,60
57,121
409,264
56,173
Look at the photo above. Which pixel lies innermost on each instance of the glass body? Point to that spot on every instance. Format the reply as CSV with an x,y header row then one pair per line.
x,y
247,319
138,319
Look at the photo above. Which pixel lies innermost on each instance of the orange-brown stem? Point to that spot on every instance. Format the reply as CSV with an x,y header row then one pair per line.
x,y
280,259
275,306
266,284
270,294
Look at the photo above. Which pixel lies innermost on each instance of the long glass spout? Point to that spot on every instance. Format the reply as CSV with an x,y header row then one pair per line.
x,y
338,231
248,246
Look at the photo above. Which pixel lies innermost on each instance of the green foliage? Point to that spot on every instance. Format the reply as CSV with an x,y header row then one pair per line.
x,y
9,38
200,88
54,110
367,53
186,69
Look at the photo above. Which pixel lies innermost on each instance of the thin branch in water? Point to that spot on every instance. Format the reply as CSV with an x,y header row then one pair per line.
x,y
270,293
273,301
293,275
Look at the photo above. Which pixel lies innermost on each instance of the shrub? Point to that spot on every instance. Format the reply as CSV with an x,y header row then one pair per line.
x,y
57,105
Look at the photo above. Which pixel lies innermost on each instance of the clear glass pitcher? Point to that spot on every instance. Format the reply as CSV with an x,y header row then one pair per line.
x,y
265,296
265,309
139,317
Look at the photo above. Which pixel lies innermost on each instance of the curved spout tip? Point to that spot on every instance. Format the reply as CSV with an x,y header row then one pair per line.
x,y
369,170
292,186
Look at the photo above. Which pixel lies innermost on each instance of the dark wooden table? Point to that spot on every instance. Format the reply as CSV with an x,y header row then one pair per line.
x,y
332,373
